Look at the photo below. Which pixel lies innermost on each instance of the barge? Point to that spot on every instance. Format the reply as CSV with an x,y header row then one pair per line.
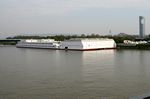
x,y
41,43
83,44
79,44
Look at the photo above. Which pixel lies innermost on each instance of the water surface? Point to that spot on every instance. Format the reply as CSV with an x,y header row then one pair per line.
x,y
54,74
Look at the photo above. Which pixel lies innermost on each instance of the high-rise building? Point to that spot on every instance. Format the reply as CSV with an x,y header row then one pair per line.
x,y
141,27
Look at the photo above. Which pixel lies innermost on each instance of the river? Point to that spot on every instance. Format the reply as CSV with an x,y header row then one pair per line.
x,y
58,74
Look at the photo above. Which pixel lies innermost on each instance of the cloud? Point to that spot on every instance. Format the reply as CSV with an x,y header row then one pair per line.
x,y
117,3
63,7
67,6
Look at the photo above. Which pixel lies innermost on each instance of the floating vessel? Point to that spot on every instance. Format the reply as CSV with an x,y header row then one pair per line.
x,y
79,44
83,44
38,43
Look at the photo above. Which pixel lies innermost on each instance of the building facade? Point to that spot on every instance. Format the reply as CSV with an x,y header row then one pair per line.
x,y
141,27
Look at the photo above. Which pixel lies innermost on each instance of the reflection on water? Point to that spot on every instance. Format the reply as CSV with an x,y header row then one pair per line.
x,y
54,74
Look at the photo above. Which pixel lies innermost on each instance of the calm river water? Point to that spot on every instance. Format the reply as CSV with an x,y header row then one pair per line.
x,y
55,74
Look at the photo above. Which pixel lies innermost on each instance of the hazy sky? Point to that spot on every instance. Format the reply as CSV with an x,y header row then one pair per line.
x,y
72,16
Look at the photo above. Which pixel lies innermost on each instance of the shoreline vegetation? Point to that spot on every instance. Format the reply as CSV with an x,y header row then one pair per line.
x,y
118,39
138,46
8,43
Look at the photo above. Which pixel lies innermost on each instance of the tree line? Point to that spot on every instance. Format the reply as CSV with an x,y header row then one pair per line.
x,y
117,38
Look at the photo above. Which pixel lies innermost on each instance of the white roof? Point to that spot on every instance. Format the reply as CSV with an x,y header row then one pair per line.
x,y
39,40
88,39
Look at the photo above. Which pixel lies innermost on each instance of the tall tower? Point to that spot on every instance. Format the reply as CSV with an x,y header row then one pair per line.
x,y
141,27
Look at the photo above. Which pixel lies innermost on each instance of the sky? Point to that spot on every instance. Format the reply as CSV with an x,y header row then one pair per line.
x,y
19,17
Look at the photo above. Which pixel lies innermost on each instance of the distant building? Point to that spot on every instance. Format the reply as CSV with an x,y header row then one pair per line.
x,y
134,42
141,27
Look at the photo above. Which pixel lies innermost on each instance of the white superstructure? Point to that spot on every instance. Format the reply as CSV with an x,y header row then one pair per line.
x,y
38,43
88,44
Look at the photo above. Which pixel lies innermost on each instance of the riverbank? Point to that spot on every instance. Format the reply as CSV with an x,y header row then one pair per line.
x,y
133,46
7,45
8,41
119,45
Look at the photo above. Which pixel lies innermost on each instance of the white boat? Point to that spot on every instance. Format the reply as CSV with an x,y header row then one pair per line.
x,y
38,43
